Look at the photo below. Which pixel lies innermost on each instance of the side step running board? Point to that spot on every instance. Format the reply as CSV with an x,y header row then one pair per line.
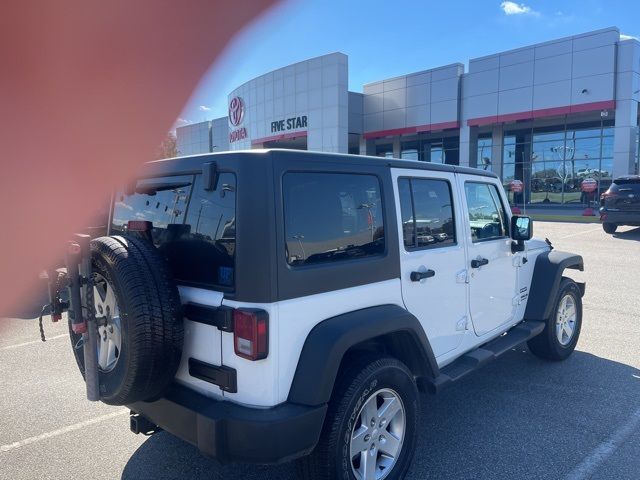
x,y
475,359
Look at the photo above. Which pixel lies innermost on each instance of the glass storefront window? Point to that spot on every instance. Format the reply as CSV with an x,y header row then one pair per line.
x,y
553,162
452,156
437,153
549,136
384,150
411,154
484,153
583,148
586,133
520,152
607,147
547,151
409,150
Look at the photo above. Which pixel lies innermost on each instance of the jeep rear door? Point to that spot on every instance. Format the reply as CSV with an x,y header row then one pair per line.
x,y
432,256
492,274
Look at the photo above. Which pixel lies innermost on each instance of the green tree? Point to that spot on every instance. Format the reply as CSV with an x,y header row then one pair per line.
x,y
168,148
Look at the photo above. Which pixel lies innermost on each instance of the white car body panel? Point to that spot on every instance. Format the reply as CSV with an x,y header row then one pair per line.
x,y
442,304
200,341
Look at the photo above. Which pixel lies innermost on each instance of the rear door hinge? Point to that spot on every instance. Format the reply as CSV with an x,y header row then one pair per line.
x,y
221,317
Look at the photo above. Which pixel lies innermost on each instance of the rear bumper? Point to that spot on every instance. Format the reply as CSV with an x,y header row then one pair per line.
x,y
234,433
620,218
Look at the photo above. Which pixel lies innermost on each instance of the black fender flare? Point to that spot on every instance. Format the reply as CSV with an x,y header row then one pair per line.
x,y
329,340
545,281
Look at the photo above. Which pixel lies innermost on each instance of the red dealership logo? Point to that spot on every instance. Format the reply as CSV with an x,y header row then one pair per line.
x,y
236,111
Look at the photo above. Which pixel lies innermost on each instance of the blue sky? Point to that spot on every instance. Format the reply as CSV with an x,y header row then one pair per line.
x,y
388,38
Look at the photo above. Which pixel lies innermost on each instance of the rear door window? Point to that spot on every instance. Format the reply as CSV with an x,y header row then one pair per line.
x,y
427,213
192,227
331,217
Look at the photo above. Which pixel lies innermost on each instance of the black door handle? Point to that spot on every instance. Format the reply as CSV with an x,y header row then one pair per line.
x,y
417,276
477,263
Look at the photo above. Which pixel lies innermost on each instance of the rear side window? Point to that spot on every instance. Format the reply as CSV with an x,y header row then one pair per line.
x,y
427,213
192,227
487,217
331,217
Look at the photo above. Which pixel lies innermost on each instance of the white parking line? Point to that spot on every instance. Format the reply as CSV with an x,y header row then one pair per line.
x,y
18,345
586,468
60,431
579,233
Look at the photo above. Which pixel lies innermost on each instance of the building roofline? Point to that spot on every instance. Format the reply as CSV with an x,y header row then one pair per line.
x,y
430,70
548,42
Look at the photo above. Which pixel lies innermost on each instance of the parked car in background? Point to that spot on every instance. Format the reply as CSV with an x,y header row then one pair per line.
x,y
620,204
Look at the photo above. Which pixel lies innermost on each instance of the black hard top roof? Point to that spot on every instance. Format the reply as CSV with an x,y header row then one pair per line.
x,y
192,163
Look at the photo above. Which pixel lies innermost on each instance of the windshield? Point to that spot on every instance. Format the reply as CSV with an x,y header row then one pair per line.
x,y
192,227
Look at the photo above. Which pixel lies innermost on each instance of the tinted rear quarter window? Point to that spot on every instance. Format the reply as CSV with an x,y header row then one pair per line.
x,y
331,217
631,185
192,227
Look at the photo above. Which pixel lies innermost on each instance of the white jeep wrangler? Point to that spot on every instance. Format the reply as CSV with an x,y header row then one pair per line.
x,y
275,305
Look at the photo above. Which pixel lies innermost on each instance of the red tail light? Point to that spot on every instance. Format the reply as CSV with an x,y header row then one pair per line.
x,y
251,333
608,194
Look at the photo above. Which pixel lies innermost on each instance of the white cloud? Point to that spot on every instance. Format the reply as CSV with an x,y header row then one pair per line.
x,y
180,122
624,36
513,8
204,108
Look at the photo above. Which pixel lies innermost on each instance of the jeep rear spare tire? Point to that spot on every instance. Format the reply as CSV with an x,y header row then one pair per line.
x,y
140,329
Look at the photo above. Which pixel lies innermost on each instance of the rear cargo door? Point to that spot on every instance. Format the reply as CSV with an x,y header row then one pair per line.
x,y
628,198
194,229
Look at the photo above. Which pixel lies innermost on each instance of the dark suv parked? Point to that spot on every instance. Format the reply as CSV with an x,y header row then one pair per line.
x,y
620,204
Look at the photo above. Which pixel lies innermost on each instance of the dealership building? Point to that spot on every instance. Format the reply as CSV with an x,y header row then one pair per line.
x,y
550,115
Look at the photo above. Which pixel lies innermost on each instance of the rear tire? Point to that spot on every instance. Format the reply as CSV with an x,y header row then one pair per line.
x,y
609,227
383,382
562,330
148,328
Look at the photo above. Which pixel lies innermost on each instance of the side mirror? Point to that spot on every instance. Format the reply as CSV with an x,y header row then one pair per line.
x,y
521,230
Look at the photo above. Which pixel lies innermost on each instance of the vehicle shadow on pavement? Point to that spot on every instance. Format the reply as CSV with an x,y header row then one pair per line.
x,y
519,417
633,234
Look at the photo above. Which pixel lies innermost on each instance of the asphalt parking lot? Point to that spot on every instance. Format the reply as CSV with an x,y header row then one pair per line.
x,y
518,418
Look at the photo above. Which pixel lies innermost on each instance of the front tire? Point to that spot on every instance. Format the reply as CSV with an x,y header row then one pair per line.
x,y
609,228
370,430
560,335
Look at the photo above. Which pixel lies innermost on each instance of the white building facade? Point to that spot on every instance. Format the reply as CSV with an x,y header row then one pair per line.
x,y
550,114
